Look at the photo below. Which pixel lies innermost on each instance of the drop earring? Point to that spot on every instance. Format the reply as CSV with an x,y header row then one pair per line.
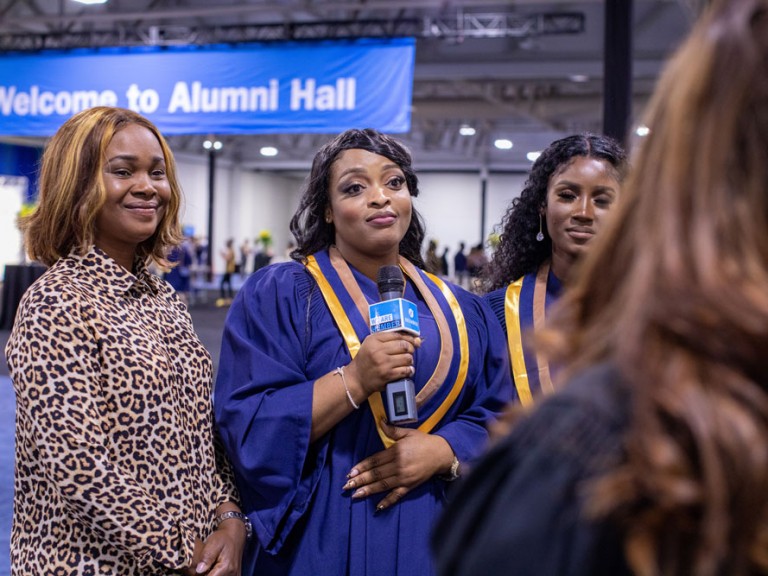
x,y
540,235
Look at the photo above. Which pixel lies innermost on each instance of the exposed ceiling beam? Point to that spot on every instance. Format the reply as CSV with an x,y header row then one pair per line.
x,y
241,9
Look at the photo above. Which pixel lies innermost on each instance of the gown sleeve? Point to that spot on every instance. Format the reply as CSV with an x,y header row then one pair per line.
x,y
521,510
496,301
263,400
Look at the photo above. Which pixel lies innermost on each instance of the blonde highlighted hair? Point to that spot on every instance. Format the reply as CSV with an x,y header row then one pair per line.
x,y
72,190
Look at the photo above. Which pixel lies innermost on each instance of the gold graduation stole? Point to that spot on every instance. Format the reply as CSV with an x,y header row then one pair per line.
x,y
352,341
515,334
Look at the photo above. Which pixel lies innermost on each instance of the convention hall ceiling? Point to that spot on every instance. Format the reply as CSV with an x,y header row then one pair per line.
x,y
528,71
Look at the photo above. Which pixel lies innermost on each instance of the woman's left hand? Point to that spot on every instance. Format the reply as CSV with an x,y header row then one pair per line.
x,y
223,551
414,458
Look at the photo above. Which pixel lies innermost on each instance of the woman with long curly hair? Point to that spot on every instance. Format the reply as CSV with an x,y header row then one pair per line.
x,y
332,487
652,459
571,188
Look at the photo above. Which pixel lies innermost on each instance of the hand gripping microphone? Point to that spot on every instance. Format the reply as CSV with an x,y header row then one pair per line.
x,y
394,313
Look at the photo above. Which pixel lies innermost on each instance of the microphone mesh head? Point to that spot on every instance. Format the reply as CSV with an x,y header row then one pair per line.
x,y
390,279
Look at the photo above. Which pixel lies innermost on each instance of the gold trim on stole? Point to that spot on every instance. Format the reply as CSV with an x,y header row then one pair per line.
x,y
446,342
515,336
515,341
539,315
353,343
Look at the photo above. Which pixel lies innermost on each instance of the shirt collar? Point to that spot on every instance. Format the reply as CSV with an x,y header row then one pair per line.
x,y
98,270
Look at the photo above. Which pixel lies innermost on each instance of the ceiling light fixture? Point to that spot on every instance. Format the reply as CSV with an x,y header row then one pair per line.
x,y
268,151
503,144
467,130
533,156
91,1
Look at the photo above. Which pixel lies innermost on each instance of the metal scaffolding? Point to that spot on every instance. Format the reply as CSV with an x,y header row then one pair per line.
x,y
462,25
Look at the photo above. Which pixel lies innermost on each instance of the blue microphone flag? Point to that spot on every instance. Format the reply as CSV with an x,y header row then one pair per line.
x,y
396,314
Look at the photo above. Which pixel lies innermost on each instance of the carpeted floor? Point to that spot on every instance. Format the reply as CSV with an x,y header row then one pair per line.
x,y
208,320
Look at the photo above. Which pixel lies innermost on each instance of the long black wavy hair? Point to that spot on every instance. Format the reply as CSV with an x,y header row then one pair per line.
x,y
308,224
518,252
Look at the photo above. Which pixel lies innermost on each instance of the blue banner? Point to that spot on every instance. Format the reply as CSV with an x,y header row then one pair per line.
x,y
319,87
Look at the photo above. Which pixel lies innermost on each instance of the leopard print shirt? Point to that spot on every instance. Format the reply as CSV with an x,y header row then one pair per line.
x,y
117,469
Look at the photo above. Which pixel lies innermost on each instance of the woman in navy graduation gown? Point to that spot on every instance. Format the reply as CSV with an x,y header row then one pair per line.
x,y
330,487
572,186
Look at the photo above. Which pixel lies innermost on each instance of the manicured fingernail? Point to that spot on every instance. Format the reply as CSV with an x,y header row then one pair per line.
x,y
200,569
349,484
358,493
352,473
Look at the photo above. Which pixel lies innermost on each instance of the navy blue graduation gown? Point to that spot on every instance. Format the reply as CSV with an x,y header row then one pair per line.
x,y
279,338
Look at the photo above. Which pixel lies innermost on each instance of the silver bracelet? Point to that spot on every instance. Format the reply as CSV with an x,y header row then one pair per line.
x,y
240,516
340,372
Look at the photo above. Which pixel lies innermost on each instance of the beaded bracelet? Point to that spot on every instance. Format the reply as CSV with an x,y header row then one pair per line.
x,y
340,372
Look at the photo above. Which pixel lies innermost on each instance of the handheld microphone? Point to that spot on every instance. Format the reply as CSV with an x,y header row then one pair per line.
x,y
393,312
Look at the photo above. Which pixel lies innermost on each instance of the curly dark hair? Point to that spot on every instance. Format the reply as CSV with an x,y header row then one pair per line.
x,y
518,252
308,224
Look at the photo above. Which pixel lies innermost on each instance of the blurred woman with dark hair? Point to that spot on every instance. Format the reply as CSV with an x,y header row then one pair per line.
x,y
330,485
652,460
572,187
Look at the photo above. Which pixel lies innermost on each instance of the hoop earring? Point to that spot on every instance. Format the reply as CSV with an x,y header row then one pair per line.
x,y
540,235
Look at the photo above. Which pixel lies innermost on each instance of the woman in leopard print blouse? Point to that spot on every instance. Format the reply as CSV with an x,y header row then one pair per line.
x,y
117,470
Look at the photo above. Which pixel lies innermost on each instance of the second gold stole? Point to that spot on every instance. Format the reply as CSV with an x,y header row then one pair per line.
x,y
512,312
352,341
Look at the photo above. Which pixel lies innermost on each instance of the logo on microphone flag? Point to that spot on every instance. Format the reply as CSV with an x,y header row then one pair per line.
x,y
396,314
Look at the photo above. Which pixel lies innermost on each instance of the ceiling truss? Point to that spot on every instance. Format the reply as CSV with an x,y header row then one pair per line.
x,y
529,70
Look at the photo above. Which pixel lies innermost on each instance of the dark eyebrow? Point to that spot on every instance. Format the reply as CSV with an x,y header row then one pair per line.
x,y
569,184
353,170
133,158
361,170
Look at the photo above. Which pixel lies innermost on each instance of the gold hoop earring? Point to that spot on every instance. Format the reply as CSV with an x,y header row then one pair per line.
x,y
540,235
